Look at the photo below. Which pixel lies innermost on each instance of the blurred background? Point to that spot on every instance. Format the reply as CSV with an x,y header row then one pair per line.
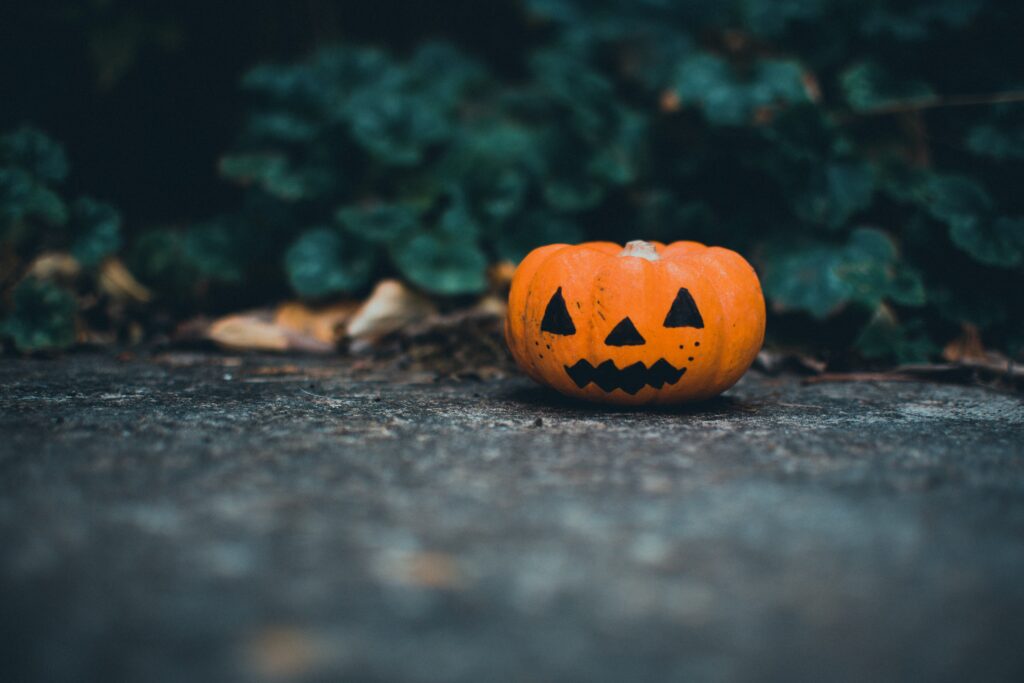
x,y
160,161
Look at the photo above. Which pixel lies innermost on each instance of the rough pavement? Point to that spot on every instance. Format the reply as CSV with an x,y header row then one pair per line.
x,y
208,518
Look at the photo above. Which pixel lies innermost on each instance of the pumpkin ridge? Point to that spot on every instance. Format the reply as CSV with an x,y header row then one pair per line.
x,y
523,281
726,373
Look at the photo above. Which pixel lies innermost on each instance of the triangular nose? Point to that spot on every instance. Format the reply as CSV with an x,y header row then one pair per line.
x,y
625,334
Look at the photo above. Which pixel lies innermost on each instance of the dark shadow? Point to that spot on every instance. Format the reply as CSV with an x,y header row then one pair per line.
x,y
543,397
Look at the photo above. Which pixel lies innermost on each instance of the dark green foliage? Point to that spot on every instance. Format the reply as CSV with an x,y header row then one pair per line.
x,y
42,317
796,132
441,263
180,264
35,153
865,155
429,166
97,230
728,97
322,262
32,212
39,315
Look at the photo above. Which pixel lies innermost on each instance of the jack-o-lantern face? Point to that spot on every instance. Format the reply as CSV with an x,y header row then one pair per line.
x,y
644,324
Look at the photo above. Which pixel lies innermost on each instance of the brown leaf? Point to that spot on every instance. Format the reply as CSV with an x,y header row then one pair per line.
x,y
966,347
500,275
325,324
247,332
54,265
390,307
968,350
116,281
492,305
258,331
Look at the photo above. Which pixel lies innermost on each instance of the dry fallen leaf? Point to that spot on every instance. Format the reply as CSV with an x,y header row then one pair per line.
x,y
262,331
117,281
390,307
52,265
966,348
969,351
493,305
325,324
245,332
500,275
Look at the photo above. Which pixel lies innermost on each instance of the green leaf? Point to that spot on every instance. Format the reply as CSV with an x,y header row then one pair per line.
x,y
281,127
998,242
918,21
533,230
158,259
23,199
806,133
324,262
820,278
955,199
619,159
215,251
442,73
773,17
176,263
907,287
869,86
276,175
837,192
967,208
731,98
885,338
457,220
379,223
866,266
42,317
396,127
996,142
573,193
97,227
31,150
442,265
492,165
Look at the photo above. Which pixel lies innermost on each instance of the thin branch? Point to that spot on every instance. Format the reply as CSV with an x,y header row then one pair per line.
x,y
938,101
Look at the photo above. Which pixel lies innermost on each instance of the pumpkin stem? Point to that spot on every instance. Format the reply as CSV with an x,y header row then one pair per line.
x,y
640,249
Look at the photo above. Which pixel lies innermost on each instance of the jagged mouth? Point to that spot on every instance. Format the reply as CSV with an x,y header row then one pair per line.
x,y
629,379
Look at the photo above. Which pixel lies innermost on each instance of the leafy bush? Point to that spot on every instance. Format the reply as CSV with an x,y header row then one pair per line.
x,y
35,217
865,155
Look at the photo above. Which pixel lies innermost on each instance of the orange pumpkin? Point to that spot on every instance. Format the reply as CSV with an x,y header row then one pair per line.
x,y
646,324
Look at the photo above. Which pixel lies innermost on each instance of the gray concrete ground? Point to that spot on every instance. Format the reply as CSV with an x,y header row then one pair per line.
x,y
203,518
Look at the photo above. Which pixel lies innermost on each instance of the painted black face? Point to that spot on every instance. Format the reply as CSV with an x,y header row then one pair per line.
x,y
632,378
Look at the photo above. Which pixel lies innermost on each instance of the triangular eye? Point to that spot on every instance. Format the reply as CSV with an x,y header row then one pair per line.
x,y
684,311
556,316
